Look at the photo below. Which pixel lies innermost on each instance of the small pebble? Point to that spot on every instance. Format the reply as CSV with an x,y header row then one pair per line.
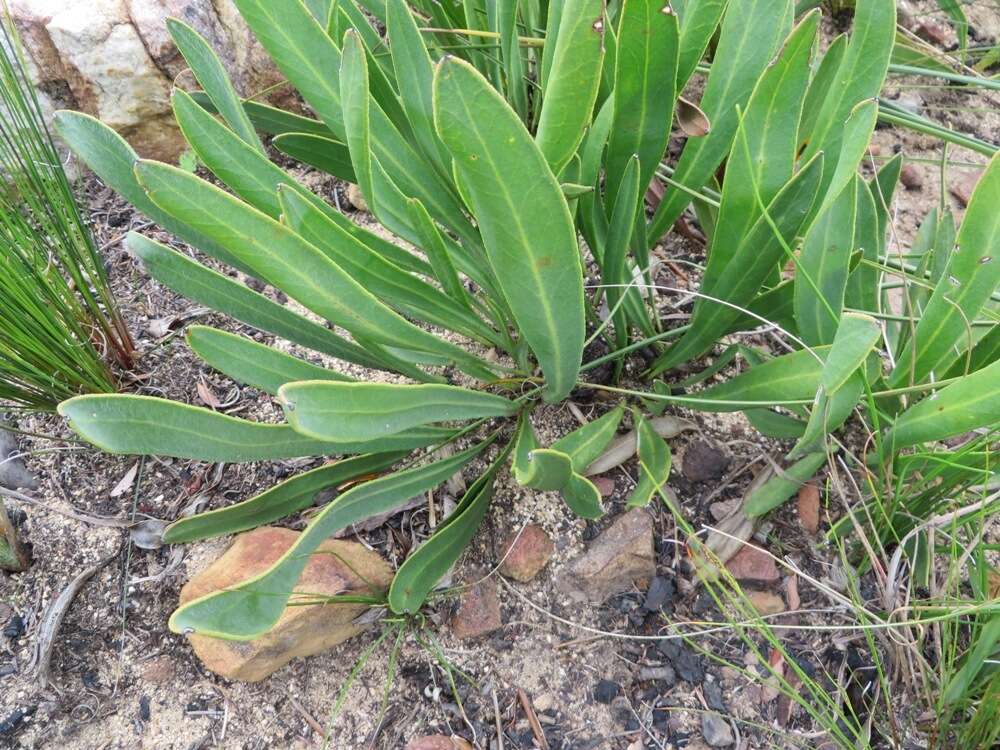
x,y
14,627
716,730
606,691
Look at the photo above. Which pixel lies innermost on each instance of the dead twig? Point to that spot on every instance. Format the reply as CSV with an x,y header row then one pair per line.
x,y
536,728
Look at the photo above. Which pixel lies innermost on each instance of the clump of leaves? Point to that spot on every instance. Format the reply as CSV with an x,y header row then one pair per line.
x,y
491,160
60,324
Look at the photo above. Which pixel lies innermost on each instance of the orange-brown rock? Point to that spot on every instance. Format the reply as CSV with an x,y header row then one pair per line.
x,y
337,567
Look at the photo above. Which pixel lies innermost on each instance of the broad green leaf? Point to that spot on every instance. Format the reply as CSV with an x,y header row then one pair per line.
x,y
819,87
750,35
244,169
249,610
986,352
270,120
860,76
856,337
615,271
212,289
426,565
284,259
790,377
862,290
207,68
973,275
344,412
432,243
582,497
775,425
524,443
757,255
829,412
645,90
391,284
823,266
523,218
322,152
585,444
654,464
246,361
279,501
853,139
699,20
415,74
146,426
782,486
968,404
355,101
573,77
593,221
108,155
764,149
547,470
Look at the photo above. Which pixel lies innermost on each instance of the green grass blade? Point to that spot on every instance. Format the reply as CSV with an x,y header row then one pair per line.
x,y
279,501
248,362
249,610
523,218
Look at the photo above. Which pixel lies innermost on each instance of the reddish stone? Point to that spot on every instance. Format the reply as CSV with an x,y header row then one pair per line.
x,y
478,611
438,742
524,554
963,187
752,564
766,603
604,485
911,177
808,507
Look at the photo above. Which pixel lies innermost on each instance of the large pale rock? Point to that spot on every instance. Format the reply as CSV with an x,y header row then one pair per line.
x,y
114,59
619,558
337,567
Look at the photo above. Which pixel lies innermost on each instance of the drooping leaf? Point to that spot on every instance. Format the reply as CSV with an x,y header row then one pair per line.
x,y
523,218
582,497
246,361
585,444
249,610
279,501
546,470
790,377
347,412
430,561
142,425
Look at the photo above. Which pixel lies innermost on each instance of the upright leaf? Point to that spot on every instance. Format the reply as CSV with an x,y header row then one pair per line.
x,y
654,464
973,275
523,217
573,78
645,89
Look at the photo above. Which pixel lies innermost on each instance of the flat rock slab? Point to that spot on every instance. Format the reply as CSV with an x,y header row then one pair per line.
x,y
336,567
619,558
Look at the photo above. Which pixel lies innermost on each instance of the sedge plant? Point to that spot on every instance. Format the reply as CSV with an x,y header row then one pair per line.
x,y
61,330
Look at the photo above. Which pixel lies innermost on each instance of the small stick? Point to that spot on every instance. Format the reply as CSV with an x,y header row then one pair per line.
x,y
496,714
536,728
315,725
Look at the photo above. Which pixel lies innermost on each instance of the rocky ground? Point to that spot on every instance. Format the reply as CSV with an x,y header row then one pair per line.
x,y
553,632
